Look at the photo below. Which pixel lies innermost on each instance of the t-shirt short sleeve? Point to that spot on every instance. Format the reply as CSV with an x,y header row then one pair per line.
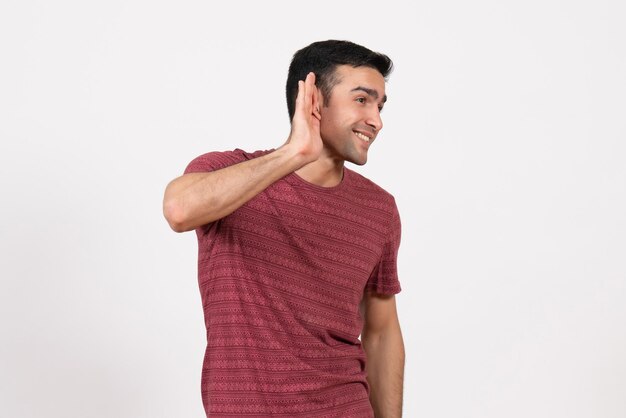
x,y
215,160
384,277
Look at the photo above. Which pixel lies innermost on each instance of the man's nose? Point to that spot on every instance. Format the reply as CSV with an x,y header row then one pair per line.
x,y
374,120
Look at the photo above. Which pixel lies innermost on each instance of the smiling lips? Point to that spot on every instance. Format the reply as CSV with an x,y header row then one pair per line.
x,y
362,136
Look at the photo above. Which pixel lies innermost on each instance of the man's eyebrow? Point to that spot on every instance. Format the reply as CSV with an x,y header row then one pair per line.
x,y
370,92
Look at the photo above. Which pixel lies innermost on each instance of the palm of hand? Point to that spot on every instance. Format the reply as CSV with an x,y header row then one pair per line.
x,y
305,126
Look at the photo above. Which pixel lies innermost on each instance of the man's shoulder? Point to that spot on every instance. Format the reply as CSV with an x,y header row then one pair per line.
x,y
215,160
254,154
363,184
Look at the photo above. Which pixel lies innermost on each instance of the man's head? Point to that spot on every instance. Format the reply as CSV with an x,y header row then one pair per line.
x,y
323,58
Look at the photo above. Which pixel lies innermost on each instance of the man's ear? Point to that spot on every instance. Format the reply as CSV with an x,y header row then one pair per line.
x,y
320,97
318,103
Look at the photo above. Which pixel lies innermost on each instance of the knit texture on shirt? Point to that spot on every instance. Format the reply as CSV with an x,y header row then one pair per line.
x,y
281,280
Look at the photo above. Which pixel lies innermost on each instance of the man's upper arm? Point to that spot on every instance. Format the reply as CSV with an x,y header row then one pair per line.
x,y
379,313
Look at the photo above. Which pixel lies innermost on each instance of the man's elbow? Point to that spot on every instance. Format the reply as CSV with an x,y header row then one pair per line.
x,y
182,217
174,215
389,333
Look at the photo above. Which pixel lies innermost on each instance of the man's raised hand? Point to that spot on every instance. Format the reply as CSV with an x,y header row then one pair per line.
x,y
305,127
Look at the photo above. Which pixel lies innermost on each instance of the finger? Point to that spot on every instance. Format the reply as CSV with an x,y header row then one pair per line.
x,y
299,99
312,88
300,91
315,107
309,86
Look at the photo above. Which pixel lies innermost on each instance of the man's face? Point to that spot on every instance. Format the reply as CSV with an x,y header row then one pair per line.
x,y
350,120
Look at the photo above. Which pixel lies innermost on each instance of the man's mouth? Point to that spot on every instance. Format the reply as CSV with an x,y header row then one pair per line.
x,y
362,136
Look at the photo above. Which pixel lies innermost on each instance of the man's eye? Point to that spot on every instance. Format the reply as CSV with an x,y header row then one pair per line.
x,y
360,99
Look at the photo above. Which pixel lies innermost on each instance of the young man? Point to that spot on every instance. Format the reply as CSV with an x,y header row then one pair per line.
x,y
297,254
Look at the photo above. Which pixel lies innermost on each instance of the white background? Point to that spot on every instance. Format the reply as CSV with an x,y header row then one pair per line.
x,y
504,144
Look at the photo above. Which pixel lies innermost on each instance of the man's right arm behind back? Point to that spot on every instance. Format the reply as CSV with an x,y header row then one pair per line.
x,y
196,199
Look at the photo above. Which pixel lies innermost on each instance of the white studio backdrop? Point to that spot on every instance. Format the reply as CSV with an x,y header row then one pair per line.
x,y
504,144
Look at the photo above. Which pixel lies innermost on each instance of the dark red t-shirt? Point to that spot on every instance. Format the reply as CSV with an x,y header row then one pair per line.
x,y
281,280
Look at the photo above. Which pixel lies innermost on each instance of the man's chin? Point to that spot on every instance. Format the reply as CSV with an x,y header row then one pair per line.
x,y
359,161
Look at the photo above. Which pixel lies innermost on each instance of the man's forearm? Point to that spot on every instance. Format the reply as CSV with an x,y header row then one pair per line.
x,y
199,198
385,372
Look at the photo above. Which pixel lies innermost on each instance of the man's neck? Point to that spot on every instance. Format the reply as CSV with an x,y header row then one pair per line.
x,y
323,172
